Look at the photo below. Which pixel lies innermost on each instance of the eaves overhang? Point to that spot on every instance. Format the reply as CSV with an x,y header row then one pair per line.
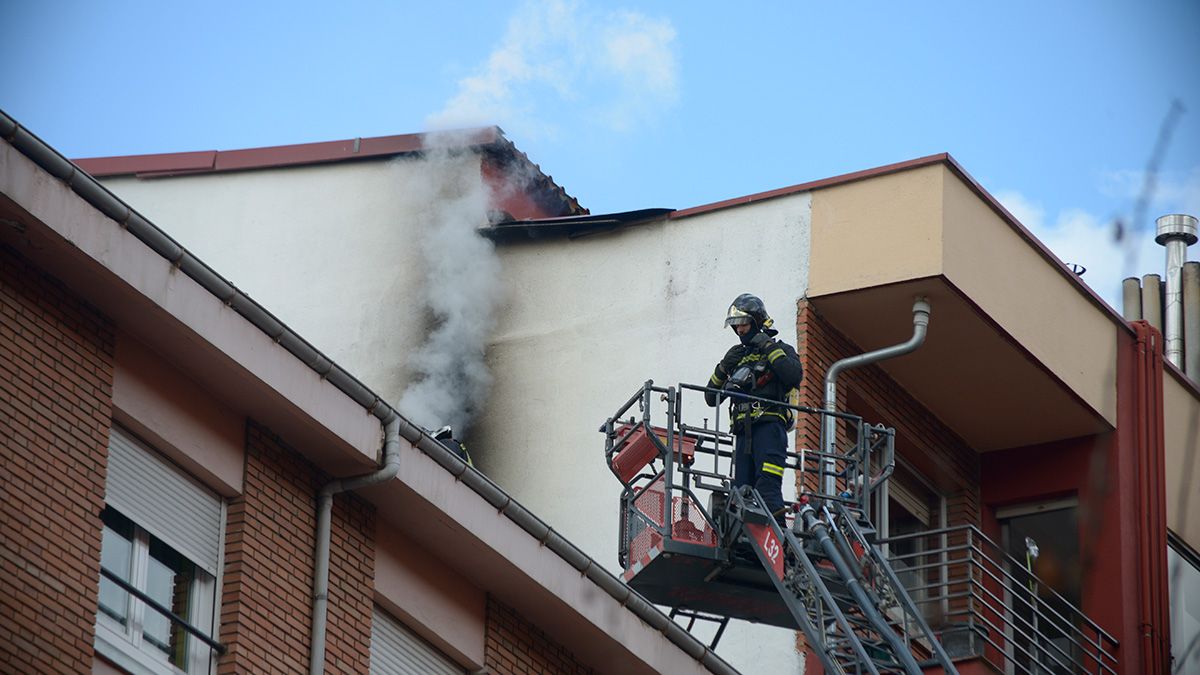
x,y
299,154
60,218
972,373
495,543
1020,351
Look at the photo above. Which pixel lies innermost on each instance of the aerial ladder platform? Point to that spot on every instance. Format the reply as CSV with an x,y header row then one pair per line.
x,y
691,541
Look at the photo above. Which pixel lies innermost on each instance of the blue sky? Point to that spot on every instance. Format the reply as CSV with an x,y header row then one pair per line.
x,y
1054,107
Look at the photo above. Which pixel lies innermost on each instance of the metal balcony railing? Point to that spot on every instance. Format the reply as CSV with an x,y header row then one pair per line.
x,y
984,602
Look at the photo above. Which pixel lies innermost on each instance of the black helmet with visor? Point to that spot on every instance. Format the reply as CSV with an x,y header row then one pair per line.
x,y
749,309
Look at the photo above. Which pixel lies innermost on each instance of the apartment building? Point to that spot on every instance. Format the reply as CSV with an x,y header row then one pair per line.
x,y
1033,413
190,486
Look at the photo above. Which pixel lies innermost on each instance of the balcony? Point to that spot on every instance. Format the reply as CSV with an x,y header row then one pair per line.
x,y
984,603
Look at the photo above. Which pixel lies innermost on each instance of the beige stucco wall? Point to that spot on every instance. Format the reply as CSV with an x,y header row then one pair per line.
x,y
926,222
877,231
331,251
1181,442
1038,307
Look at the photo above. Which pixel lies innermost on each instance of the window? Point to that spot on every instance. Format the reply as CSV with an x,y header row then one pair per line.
x,y
1183,570
168,578
161,538
1045,537
905,507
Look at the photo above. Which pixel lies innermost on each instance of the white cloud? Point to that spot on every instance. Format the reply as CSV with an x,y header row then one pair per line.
x,y
1174,191
617,68
1030,214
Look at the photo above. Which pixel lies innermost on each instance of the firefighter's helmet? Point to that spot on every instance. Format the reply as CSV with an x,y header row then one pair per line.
x,y
749,309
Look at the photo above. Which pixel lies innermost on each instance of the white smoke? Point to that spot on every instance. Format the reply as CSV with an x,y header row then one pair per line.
x,y
616,67
460,290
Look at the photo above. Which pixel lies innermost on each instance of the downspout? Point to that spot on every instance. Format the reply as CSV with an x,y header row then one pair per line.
x,y
395,427
320,603
828,426
1153,617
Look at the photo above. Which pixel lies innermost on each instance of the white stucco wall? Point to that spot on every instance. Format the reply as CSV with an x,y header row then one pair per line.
x,y
331,250
587,321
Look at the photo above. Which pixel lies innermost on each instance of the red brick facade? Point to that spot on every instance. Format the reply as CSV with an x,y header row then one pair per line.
x,y
515,646
266,604
922,441
56,373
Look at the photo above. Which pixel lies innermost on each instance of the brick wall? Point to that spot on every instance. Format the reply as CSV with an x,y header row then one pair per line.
x,y
922,441
266,597
514,645
56,370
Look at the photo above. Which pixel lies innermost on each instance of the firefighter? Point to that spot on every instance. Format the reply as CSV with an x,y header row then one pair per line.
x,y
445,436
761,366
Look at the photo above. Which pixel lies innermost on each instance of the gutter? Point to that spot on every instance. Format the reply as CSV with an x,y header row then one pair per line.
x,y
91,191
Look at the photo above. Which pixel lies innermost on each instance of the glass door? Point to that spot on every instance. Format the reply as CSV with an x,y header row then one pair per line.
x,y
1044,540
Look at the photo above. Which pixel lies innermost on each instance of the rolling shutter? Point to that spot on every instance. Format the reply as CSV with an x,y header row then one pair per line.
x,y
160,498
396,650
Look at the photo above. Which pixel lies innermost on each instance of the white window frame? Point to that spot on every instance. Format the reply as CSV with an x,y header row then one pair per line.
x,y
938,520
126,646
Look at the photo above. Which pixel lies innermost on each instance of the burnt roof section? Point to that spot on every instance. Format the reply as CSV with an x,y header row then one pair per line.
x,y
571,227
490,141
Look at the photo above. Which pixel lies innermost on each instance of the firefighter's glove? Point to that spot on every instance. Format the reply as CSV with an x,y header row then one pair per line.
x,y
760,342
732,358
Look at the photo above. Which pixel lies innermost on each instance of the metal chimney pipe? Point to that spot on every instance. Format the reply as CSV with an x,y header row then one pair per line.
x,y
1152,301
1191,319
1131,299
1176,231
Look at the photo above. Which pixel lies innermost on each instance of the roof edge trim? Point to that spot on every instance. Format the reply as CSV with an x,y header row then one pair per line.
x,y
813,185
173,163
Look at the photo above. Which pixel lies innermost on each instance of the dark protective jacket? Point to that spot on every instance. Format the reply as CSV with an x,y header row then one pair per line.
x,y
457,447
778,373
